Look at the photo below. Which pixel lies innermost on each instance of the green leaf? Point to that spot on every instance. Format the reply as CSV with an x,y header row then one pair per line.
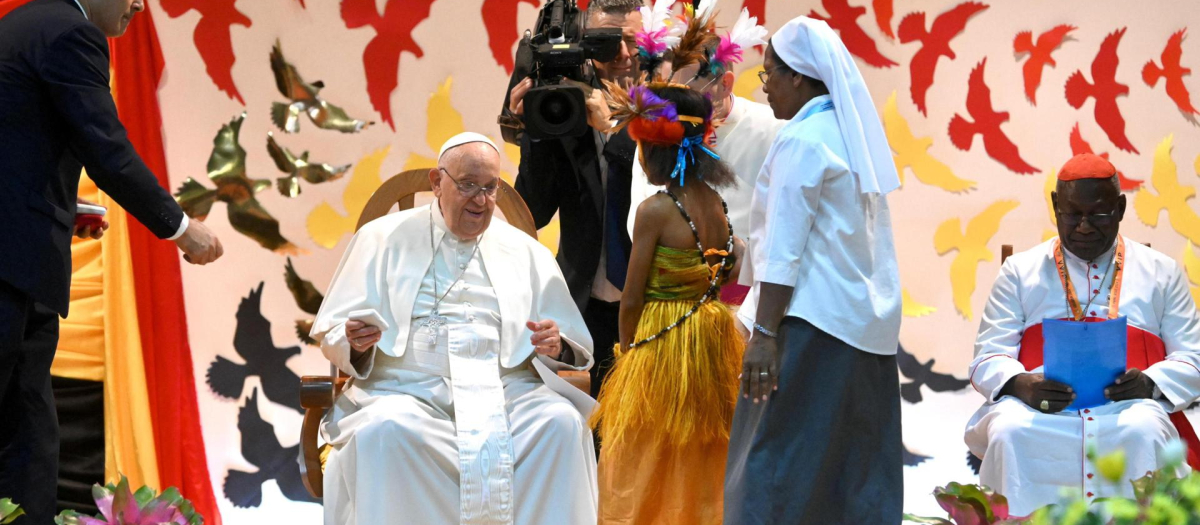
x,y
143,496
1144,486
171,496
9,511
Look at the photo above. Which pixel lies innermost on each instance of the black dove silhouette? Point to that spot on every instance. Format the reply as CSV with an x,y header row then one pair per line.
x,y
974,462
307,297
262,449
912,459
252,340
923,374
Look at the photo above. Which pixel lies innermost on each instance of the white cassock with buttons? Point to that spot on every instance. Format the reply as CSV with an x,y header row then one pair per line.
x,y
453,418
1030,456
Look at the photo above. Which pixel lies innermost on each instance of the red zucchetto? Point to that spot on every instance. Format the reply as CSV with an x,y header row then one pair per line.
x,y
1086,166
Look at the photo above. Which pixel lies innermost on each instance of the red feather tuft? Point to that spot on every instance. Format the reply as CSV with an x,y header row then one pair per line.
x,y
658,131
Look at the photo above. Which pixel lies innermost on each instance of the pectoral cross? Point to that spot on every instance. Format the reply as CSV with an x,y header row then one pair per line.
x,y
434,322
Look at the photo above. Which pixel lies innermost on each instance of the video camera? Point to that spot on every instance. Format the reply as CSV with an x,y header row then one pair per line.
x,y
555,53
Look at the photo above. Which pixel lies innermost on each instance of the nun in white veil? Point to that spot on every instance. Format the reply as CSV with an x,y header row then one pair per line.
x,y
816,434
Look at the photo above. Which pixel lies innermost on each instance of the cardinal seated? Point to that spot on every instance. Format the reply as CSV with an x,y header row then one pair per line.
x,y
1031,447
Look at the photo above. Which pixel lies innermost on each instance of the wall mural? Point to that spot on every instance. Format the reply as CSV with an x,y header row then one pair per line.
x,y
981,103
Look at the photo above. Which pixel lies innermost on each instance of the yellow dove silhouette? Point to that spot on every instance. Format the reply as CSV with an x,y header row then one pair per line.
x,y
325,225
1191,266
442,122
911,308
747,83
912,153
1051,183
1171,196
972,249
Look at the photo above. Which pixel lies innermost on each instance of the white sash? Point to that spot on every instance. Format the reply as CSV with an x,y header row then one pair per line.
x,y
485,450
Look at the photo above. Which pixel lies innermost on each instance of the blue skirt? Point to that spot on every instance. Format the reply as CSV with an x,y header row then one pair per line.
x,y
825,448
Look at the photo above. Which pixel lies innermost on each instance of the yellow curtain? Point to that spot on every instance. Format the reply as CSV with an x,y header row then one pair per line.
x,y
100,341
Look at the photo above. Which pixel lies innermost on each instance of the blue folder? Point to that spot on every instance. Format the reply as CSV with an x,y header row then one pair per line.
x,y
1086,356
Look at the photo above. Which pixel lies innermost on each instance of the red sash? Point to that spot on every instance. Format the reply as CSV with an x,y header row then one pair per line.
x,y
1143,349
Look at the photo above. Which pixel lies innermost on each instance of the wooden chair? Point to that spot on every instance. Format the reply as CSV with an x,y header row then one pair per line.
x,y
317,393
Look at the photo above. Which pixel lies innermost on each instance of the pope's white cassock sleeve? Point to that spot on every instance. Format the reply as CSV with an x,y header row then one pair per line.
x,y
1029,456
399,429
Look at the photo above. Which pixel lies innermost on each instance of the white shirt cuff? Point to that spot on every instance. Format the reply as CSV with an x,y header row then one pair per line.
x,y
182,228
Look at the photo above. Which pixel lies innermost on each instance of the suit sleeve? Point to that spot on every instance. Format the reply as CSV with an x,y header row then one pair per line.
x,y
74,71
537,177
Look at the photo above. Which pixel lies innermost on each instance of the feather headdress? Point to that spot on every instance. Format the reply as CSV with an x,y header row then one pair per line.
x,y
699,36
745,33
649,117
658,34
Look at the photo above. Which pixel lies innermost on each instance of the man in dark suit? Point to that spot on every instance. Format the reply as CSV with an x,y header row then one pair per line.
x,y
57,116
585,179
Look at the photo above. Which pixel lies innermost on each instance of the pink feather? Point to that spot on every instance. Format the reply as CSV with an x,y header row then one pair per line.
x,y
727,53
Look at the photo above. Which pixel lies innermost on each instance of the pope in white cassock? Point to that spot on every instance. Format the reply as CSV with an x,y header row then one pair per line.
x,y
1031,447
452,326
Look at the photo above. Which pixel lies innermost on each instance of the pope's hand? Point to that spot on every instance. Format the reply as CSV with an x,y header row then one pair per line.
x,y
362,336
546,339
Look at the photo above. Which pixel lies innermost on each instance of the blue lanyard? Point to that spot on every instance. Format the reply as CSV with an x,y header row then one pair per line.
x,y
825,106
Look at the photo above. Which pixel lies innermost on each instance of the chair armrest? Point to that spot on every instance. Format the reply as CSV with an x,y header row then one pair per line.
x,y
317,391
578,378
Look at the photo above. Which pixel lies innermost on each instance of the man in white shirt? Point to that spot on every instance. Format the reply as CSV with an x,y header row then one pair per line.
x,y
816,433
742,139
1031,447
452,326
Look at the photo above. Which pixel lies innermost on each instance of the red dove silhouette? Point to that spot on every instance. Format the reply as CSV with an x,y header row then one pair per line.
x,y
9,5
987,123
757,8
212,38
883,16
500,20
393,36
1080,146
1172,72
1039,55
843,18
935,44
1105,89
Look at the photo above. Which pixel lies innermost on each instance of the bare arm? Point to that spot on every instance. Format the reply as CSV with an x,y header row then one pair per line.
x,y
646,230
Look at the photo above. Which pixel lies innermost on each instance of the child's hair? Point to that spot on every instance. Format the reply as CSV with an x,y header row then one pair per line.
x,y
660,157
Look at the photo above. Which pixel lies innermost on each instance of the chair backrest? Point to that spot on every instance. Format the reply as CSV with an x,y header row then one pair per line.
x,y
403,187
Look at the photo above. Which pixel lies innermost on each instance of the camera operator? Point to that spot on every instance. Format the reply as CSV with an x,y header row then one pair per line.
x,y
585,178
